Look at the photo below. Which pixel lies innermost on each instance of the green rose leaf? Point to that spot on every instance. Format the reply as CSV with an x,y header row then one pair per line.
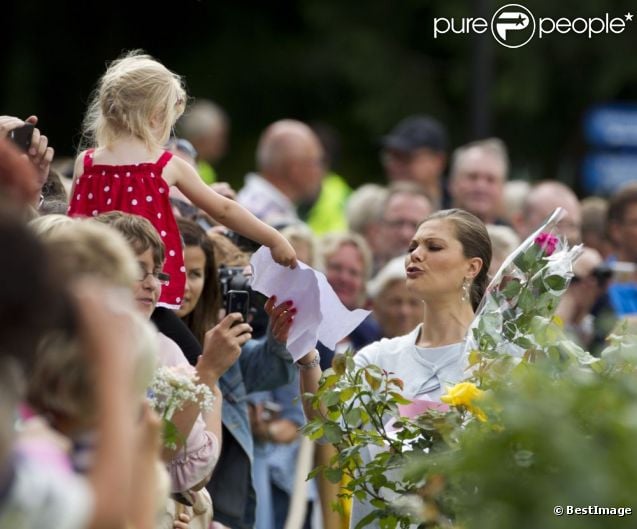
x,y
512,289
353,417
333,475
555,282
332,432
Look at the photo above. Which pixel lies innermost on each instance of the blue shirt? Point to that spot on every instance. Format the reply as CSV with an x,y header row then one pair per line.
x,y
264,364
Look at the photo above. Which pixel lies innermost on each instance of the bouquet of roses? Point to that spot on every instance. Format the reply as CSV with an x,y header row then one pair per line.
x,y
171,389
516,316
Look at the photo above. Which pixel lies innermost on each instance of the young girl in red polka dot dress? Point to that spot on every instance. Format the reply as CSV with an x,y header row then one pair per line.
x,y
134,108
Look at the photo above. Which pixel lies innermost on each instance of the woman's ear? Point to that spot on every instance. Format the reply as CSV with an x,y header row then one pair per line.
x,y
474,265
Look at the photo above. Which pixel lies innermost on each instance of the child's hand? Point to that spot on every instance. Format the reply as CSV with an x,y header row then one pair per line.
x,y
283,253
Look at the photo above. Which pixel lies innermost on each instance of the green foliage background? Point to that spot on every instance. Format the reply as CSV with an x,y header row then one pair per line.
x,y
357,66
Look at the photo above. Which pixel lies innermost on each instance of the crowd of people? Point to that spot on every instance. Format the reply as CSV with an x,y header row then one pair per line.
x,y
125,264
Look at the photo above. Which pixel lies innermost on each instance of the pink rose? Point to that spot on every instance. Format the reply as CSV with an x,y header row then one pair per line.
x,y
547,242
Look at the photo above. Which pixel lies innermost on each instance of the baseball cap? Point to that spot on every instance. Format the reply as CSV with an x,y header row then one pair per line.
x,y
415,132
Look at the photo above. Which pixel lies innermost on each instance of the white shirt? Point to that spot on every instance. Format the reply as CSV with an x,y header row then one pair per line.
x,y
426,372
41,498
266,202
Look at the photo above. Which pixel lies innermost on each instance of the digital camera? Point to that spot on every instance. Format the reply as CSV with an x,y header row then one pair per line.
x,y
233,284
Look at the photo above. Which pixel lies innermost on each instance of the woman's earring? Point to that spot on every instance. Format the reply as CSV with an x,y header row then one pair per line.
x,y
465,290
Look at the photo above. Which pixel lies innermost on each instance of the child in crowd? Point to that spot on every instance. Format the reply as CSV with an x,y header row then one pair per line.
x,y
134,108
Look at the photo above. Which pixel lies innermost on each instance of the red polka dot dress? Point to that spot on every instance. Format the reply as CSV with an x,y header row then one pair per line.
x,y
139,189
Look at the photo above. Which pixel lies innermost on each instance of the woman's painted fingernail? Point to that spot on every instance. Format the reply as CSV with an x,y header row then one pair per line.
x,y
293,311
289,303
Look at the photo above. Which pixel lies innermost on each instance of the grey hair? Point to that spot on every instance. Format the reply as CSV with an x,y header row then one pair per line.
x,y
365,206
202,115
493,146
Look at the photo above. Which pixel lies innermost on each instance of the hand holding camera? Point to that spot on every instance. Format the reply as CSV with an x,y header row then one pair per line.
x,y
222,346
28,139
8,124
237,279
22,136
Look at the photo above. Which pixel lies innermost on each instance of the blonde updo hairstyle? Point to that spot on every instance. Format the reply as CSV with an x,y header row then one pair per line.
x,y
134,90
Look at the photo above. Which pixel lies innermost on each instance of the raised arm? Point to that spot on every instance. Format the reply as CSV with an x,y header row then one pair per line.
x,y
195,455
266,363
143,501
309,378
39,153
231,214
106,336
221,349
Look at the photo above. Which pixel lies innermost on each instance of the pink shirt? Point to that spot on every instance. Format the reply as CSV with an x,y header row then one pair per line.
x,y
196,461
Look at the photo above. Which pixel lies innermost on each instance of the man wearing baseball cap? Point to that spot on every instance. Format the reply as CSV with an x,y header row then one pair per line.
x,y
416,150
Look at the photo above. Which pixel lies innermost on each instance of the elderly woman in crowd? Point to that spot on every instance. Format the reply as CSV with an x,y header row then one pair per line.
x,y
396,308
348,266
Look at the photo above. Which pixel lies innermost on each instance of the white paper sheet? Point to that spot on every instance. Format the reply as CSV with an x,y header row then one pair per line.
x,y
321,315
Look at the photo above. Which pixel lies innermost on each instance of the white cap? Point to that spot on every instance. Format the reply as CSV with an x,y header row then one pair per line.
x,y
392,271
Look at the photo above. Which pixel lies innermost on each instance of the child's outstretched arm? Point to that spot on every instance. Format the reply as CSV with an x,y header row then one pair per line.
x,y
232,215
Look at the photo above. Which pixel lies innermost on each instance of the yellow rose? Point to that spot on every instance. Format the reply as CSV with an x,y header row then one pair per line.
x,y
463,395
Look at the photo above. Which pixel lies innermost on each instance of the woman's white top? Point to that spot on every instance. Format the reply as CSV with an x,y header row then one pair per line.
x,y
426,372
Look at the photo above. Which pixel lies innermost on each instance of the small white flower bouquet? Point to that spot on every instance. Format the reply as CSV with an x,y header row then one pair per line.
x,y
171,389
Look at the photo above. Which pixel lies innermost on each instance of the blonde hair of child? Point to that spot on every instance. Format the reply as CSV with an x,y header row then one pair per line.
x,y
137,96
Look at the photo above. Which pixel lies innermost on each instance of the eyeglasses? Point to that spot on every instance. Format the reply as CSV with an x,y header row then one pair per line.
x,y
162,278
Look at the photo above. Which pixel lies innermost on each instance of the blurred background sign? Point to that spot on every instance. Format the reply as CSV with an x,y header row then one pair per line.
x,y
604,173
612,126
611,130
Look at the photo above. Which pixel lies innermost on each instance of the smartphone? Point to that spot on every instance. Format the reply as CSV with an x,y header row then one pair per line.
x,y
238,301
22,136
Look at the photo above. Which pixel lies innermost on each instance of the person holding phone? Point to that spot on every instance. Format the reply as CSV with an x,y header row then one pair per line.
x,y
264,364
35,145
